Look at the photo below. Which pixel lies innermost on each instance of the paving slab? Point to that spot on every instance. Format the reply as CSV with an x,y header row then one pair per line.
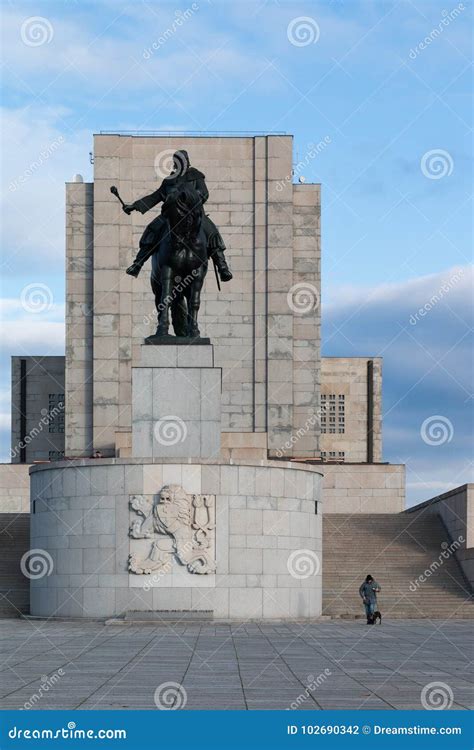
x,y
238,666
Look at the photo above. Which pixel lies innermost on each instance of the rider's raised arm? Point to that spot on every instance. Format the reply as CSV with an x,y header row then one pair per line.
x,y
144,204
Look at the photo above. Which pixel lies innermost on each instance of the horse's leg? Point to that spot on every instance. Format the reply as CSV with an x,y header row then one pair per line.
x,y
179,315
164,305
155,280
194,302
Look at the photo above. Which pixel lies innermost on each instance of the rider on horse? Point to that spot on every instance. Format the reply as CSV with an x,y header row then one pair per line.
x,y
183,174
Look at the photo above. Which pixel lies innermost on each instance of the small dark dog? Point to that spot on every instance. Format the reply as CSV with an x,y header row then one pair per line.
x,y
372,619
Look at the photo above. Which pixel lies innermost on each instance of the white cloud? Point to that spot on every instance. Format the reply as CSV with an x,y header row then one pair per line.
x,y
98,59
426,368
5,421
29,333
41,156
29,337
412,293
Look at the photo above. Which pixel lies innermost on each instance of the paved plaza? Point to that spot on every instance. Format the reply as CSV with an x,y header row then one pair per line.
x,y
326,665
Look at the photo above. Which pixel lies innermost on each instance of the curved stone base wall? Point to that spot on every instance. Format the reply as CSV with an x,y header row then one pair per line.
x,y
260,525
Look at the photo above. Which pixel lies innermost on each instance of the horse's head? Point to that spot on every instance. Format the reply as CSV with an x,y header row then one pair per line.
x,y
183,209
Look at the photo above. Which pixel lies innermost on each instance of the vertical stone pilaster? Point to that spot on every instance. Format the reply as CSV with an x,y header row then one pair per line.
x,y
260,284
279,244
79,318
113,252
306,298
377,404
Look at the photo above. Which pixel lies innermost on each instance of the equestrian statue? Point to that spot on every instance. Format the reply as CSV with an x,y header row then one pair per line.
x,y
179,242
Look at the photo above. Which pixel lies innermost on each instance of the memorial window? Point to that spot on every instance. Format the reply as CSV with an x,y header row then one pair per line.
x,y
56,413
333,414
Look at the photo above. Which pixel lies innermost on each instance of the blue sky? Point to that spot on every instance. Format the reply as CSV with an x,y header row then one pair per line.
x,y
396,216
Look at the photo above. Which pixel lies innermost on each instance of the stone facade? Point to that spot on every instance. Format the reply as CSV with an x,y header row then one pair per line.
x,y
271,228
456,510
209,523
267,539
176,403
37,409
364,488
14,488
345,384
79,318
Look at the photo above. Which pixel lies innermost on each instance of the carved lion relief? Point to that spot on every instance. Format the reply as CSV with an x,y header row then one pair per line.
x,y
186,520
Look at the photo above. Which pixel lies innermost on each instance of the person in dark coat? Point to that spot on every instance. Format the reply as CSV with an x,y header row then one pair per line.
x,y
182,174
368,592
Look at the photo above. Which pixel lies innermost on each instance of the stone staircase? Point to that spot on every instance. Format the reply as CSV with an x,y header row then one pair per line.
x,y
396,549
14,542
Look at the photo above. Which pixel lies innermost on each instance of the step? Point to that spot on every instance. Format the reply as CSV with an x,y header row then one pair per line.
x,y
397,549
205,615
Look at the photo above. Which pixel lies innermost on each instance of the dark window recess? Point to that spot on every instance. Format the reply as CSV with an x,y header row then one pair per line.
x,y
340,455
315,507
23,411
335,405
56,413
55,455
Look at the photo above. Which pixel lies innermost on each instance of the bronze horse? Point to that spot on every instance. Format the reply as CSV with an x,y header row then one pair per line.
x,y
179,266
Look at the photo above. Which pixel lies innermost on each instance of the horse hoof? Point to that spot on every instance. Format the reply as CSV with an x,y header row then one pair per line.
x,y
160,331
194,333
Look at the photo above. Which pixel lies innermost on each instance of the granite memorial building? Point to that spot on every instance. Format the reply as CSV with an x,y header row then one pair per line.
x,y
276,438
264,325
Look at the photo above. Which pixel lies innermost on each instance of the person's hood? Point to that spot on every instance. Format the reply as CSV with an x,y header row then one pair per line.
x,y
183,158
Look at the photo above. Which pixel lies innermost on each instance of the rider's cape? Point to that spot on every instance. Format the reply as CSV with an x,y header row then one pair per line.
x,y
192,175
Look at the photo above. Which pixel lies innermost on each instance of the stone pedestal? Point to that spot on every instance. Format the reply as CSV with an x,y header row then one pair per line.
x,y
176,402
238,542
